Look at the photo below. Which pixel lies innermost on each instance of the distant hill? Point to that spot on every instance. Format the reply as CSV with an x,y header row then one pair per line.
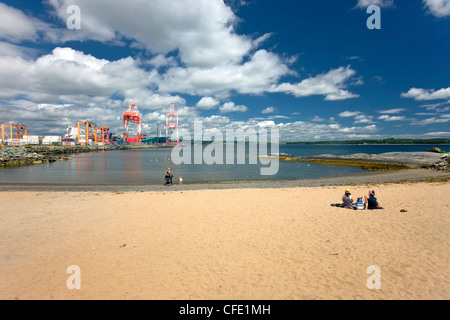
x,y
382,141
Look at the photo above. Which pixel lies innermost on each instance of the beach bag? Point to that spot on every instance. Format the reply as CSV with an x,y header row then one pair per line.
x,y
360,205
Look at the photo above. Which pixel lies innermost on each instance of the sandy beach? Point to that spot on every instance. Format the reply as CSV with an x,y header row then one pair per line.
x,y
235,243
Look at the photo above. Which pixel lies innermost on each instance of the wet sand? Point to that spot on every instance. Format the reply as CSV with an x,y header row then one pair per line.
x,y
412,175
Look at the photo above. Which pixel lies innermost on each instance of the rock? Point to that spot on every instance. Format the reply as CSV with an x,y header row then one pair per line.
x,y
13,156
389,159
435,150
442,164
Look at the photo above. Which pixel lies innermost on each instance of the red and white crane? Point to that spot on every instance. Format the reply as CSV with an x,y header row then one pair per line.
x,y
132,114
172,126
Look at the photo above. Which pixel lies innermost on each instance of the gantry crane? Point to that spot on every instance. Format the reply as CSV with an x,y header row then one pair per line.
x,y
14,131
104,135
132,114
88,130
172,126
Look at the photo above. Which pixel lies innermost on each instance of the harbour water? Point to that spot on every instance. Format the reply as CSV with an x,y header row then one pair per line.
x,y
148,166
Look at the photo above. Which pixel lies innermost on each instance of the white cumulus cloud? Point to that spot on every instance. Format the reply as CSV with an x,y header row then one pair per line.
x,y
231,107
202,30
431,120
348,114
331,84
207,103
253,77
386,117
381,3
269,110
439,8
427,94
15,25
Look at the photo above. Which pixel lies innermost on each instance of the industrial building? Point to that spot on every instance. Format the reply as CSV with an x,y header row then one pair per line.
x,y
88,133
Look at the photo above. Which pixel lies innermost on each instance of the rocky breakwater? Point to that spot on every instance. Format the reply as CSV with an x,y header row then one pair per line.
x,y
443,164
16,156
380,162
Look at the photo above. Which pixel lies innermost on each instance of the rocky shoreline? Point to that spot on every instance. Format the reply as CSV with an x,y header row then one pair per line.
x,y
379,162
443,164
387,161
17,156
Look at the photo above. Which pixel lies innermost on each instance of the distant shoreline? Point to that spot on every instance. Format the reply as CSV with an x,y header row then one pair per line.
x,y
390,141
367,144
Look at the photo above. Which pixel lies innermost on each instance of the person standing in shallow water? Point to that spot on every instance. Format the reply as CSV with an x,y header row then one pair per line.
x,y
168,177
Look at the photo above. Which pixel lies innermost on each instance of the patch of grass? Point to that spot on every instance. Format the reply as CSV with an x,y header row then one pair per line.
x,y
375,166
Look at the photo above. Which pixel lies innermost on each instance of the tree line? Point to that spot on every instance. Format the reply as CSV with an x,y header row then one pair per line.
x,y
380,141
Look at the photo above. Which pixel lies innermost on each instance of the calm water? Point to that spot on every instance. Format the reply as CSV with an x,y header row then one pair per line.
x,y
147,166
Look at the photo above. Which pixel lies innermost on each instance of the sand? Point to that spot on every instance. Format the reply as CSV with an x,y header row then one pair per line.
x,y
236,243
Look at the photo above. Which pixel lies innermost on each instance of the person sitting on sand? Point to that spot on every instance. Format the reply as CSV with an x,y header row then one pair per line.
x,y
371,201
347,200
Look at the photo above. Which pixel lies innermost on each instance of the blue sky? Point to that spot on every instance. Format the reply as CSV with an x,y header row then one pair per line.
x,y
310,68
